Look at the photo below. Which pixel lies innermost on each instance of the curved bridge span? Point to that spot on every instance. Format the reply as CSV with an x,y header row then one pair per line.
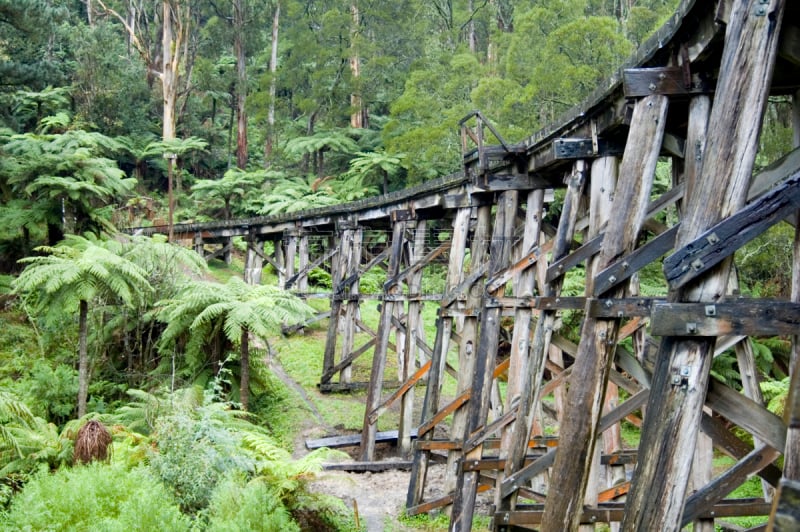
x,y
535,418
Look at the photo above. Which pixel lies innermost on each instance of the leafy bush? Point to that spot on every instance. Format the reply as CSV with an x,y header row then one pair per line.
x,y
94,497
195,452
238,505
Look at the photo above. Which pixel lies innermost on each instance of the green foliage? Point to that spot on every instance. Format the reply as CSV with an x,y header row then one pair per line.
x,y
195,452
239,505
775,395
52,390
95,497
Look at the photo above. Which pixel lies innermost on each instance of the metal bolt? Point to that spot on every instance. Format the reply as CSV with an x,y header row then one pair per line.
x,y
612,279
711,310
609,303
686,371
652,86
691,328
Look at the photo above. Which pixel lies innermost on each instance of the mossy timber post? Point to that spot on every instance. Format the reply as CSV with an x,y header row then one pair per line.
x,y
693,96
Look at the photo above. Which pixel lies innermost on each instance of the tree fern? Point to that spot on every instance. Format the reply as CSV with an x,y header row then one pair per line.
x,y
74,273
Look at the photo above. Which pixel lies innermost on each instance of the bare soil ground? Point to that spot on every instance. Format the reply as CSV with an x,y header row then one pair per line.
x,y
378,497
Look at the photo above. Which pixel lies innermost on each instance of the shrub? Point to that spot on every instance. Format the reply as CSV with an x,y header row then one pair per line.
x,y
94,497
240,506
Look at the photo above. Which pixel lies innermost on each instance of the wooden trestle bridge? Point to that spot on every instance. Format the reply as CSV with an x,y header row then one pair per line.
x,y
693,97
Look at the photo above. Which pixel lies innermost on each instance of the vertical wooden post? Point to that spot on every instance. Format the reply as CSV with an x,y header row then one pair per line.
x,y
598,336
290,238
699,110
603,185
791,461
254,261
198,244
657,496
479,249
532,378
478,406
413,326
347,324
302,282
369,429
524,286
279,259
227,254
341,239
444,325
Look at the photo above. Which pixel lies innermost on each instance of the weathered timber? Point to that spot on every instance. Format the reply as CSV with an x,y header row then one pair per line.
x,y
595,352
468,341
430,405
621,308
367,452
408,384
748,317
307,268
585,148
372,467
659,487
785,515
791,464
674,81
698,503
414,331
611,512
334,442
723,239
485,357
347,360
624,268
748,414
530,383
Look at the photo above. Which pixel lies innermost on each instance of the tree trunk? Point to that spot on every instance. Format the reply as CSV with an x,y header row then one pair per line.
x,y
168,75
356,102
241,83
83,357
244,380
273,67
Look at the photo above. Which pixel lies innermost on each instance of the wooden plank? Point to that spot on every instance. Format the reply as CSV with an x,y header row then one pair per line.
x,y
746,317
748,414
585,148
493,284
729,444
530,384
415,378
709,495
440,502
372,467
347,360
638,82
722,239
448,409
563,265
611,512
380,355
621,308
614,493
424,261
335,442
785,516
633,262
